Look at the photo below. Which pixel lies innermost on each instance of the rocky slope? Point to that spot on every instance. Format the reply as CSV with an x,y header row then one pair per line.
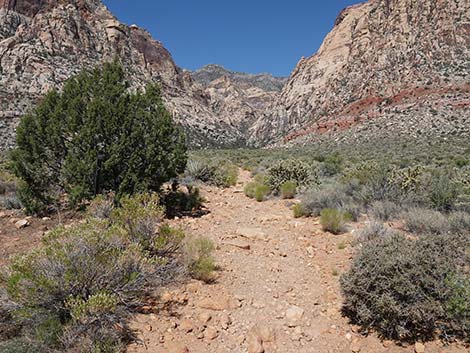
x,y
387,64
44,42
239,97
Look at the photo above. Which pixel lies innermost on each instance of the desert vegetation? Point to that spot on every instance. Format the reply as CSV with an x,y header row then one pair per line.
x,y
79,290
420,252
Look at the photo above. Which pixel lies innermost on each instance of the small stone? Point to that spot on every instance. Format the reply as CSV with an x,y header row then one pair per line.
x,y
348,336
264,333
251,233
176,347
205,317
46,219
225,321
419,347
194,287
222,302
149,328
167,297
239,244
355,347
297,334
387,343
211,333
22,224
293,315
254,344
187,325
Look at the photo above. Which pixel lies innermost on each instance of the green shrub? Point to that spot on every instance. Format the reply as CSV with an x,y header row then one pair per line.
x,y
198,257
298,210
332,164
226,175
140,216
410,289
261,192
288,190
257,191
443,192
333,220
291,170
93,137
249,189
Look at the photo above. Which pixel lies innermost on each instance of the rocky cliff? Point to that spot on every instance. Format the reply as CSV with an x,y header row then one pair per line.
x,y
44,42
239,97
387,67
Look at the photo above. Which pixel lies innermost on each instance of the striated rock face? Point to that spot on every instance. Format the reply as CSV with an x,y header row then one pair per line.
x,y
240,98
44,42
400,64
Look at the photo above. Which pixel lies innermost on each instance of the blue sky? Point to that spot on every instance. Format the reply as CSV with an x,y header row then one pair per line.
x,y
244,35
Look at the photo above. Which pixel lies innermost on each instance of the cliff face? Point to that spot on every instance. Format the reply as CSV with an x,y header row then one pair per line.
x,y
399,62
397,67
44,42
239,97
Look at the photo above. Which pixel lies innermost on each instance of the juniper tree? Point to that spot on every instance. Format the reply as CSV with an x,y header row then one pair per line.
x,y
96,136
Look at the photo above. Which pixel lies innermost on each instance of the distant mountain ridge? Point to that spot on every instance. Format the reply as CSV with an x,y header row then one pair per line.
x,y
387,68
265,81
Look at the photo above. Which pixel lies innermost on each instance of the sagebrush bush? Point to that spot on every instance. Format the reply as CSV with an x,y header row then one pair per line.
x,y
334,220
10,202
199,259
288,190
18,345
313,202
291,170
217,173
410,288
86,280
101,206
78,265
384,210
96,136
459,222
425,221
373,231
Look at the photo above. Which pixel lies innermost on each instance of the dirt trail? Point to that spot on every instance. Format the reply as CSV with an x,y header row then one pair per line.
x,y
277,289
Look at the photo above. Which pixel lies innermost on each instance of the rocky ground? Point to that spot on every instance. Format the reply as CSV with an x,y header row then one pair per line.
x,y
277,288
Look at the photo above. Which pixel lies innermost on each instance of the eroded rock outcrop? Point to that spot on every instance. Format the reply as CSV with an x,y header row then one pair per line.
x,y
240,98
403,62
44,42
